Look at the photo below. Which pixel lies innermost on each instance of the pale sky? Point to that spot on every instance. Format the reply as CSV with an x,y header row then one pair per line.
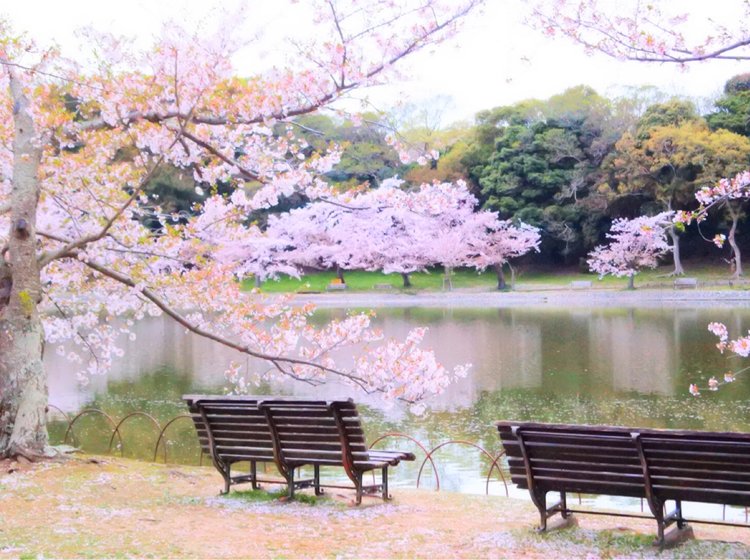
x,y
495,60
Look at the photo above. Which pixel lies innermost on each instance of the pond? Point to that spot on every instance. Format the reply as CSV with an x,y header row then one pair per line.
x,y
620,366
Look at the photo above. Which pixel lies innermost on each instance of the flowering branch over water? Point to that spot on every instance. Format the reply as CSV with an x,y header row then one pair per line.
x,y
729,192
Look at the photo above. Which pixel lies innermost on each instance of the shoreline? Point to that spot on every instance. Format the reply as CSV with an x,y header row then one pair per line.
x,y
551,298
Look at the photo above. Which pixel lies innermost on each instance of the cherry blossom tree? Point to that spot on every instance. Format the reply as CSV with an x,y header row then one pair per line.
x,y
389,228
320,236
257,255
503,241
398,230
80,142
634,244
449,225
730,194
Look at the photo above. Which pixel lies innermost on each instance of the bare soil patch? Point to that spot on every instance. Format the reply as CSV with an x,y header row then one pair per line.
x,y
105,507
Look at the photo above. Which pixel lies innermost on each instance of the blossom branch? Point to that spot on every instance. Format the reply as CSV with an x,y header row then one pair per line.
x,y
64,251
154,298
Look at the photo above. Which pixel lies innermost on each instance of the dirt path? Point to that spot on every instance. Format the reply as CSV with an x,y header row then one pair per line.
x,y
549,297
105,507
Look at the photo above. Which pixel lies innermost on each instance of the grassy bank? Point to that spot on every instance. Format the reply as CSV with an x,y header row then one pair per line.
x,y
360,281
114,508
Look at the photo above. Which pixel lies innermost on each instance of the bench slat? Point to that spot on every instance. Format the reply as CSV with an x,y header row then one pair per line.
x,y
516,462
581,454
599,476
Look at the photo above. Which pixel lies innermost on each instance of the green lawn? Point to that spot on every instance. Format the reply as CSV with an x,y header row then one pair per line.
x,y
359,281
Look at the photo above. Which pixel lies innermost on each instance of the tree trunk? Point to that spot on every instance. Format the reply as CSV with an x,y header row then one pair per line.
x,y
407,280
258,282
736,255
340,274
631,282
501,285
23,382
447,282
678,270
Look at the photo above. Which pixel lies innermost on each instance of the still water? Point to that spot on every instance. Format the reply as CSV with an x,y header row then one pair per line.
x,y
620,366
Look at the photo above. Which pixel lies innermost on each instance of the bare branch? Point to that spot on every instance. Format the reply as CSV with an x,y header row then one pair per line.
x,y
34,70
314,131
337,22
246,173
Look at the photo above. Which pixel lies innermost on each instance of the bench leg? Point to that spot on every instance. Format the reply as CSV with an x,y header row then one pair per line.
x,y
358,485
659,533
564,506
386,496
657,509
681,523
254,475
226,473
540,501
290,483
316,480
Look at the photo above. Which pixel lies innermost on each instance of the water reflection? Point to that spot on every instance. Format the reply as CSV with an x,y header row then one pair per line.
x,y
595,352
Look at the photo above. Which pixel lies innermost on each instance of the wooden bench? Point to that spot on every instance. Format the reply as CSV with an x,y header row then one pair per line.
x,y
335,287
685,283
656,465
321,433
291,433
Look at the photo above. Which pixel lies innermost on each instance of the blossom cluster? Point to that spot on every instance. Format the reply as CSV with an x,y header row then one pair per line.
x,y
393,230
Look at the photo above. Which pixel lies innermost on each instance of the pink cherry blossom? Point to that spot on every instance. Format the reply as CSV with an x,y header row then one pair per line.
x,y
634,244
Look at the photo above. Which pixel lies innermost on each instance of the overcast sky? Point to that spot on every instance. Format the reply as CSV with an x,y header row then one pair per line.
x,y
495,60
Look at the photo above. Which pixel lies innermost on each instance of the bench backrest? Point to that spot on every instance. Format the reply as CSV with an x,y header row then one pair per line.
x,y
237,427
316,432
676,464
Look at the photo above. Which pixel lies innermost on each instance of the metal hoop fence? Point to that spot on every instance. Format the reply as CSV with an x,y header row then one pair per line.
x,y
161,441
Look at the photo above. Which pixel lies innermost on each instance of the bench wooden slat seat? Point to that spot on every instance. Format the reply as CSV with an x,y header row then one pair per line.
x,y
291,433
656,465
685,283
338,441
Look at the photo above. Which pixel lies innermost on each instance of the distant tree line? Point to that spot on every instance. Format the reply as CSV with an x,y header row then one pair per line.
x,y
569,165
